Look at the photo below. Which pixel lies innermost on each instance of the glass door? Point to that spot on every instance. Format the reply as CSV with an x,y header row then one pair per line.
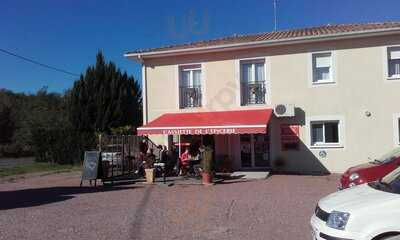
x,y
245,150
254,150
261,150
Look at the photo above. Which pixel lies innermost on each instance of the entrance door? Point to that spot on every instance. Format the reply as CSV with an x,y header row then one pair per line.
x,y
254,150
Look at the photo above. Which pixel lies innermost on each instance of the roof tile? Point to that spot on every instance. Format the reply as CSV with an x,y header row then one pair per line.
x,y
278,35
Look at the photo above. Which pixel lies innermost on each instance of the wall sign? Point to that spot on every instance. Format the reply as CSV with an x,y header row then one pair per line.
x,y
290,137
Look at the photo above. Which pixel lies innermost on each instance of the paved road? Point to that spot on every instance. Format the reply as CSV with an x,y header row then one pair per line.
x,y
53,207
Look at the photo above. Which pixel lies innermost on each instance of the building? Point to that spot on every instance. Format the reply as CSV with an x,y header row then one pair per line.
x,y
341,81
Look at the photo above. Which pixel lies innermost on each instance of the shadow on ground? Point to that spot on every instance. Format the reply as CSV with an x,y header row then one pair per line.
x,y
40,196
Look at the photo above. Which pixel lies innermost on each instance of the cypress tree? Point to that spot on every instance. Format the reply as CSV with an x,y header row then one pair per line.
x,y
105,98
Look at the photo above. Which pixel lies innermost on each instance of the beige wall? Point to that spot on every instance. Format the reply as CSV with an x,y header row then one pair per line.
x,y
360,86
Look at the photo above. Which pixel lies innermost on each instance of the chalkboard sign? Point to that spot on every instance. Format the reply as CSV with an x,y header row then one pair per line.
x,y
90,165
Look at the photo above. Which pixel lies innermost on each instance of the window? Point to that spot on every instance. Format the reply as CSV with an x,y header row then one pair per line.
x,y
393,62
190,86
324,133
252,81
396,129
322,68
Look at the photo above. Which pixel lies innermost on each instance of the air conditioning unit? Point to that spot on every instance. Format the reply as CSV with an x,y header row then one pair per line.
x,y
284,110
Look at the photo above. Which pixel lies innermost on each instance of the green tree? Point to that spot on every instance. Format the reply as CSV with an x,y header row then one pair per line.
x,y
104,98
52,136
7,117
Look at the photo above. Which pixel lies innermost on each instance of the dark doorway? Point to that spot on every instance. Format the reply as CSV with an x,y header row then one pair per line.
x,y
208,140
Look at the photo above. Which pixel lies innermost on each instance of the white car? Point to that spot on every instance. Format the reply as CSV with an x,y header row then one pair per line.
x,y
114,158
365,212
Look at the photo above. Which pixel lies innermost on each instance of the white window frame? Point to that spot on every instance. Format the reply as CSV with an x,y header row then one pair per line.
x,y
253,63
396,129
325,119
385,51
178,69
332,80
267,76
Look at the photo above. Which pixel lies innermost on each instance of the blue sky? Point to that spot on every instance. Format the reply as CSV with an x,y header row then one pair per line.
x,y
67,34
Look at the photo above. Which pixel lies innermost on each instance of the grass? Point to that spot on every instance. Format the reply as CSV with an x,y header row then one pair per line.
x,y
37,167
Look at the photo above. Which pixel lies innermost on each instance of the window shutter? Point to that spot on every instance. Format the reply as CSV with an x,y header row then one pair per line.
x,y
394,53
323,61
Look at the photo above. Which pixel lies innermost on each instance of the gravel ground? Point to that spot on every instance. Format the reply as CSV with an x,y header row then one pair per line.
x,y
54,207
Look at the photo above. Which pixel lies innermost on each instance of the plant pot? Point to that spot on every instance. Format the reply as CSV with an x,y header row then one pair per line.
x,y
150,176
207,178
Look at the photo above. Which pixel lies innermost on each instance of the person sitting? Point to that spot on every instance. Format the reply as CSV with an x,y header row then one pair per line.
x,y
164,154
173,165
150,158
185,161
139,164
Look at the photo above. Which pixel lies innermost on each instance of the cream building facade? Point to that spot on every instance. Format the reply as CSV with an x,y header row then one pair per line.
x,y
345,88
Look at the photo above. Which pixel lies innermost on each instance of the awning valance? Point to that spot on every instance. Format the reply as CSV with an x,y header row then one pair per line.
x,y
199,123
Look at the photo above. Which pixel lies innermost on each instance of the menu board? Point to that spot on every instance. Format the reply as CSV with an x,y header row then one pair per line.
x,y
90,165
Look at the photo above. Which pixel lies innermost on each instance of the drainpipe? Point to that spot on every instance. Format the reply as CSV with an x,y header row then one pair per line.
x,y
144,90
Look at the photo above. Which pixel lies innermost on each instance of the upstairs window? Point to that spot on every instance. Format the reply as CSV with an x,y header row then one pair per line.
x,y
252,81
394,62
322,68
190,86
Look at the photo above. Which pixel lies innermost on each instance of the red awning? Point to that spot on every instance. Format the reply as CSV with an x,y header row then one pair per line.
x,y
198,123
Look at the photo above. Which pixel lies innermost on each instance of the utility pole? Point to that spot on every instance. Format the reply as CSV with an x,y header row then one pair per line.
x,y
275,15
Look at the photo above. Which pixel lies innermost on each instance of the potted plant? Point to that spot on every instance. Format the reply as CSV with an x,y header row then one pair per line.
x,y
150,176
207,165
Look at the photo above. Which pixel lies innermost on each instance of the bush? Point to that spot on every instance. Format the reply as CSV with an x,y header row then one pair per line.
x,y
14,150
60,145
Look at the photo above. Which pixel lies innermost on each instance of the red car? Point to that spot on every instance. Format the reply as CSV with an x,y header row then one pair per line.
x,y
372,171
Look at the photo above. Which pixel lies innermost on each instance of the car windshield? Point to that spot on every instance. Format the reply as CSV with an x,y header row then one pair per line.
x,y
390,156
389,183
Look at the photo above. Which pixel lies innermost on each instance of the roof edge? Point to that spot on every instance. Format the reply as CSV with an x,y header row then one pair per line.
x,y
140,56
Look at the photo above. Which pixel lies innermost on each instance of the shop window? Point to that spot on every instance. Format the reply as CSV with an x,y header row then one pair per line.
x,y
245,150
254,150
